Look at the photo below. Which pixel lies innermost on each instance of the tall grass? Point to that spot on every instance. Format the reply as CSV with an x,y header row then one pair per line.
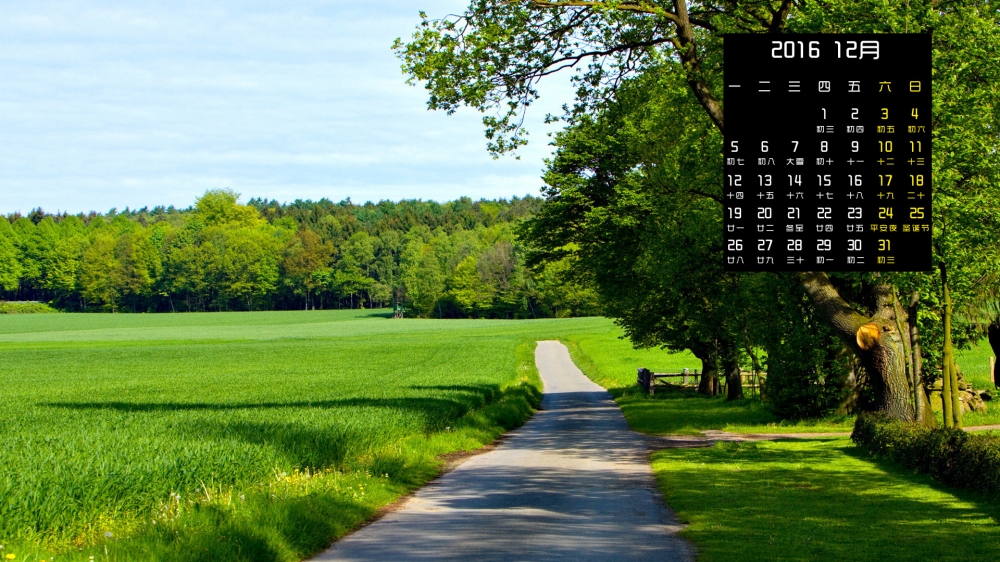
x,y
254,436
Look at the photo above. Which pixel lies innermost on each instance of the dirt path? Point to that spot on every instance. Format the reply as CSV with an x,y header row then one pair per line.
x,y
710,437
573,483
993,427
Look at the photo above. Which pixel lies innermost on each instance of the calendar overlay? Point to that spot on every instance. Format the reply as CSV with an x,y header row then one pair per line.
x,y
827,155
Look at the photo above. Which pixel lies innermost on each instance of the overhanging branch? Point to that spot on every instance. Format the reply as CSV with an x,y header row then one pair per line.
x,y
637,7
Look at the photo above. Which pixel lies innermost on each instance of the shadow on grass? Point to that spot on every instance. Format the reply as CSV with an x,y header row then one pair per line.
x,y
309,446
380,314
454,406
461,398
989,502
271,531
299,445
676,411
487,392
818,499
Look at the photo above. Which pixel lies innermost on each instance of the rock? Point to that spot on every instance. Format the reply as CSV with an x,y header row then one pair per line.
x,y
973,402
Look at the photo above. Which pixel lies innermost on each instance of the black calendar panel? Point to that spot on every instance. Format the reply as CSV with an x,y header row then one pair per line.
x,y
827,153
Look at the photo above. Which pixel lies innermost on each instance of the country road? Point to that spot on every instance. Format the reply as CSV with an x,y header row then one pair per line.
x,y
573,483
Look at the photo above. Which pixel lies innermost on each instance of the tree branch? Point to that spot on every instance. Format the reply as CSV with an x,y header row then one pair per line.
x,y
716,198
832,306
616,49
778,21
630,7
689,58
639,7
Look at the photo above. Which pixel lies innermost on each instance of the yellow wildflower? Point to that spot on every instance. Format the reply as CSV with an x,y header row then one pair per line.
x,y
10,557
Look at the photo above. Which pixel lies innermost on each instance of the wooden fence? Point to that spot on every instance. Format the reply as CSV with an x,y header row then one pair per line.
x,y
649,381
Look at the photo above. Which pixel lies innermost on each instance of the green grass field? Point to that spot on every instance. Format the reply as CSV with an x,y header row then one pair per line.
x,y
263,436
255,436
975,364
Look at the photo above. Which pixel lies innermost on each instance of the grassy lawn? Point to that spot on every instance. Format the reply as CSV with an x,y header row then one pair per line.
x,y
242,436
264,436
804,499
975,364
612,363
817,499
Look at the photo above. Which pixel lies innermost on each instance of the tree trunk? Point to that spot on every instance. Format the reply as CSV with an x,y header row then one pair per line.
x,y
731,365
956,394
686,48
916,388
993,333
949,357
708,369
875,341
849,404
949,416
754,390
734,382
923,406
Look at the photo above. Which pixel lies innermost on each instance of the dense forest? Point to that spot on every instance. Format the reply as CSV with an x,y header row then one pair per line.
x,y
456,259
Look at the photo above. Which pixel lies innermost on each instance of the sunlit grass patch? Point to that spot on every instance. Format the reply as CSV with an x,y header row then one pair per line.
x,y
975,364
818,499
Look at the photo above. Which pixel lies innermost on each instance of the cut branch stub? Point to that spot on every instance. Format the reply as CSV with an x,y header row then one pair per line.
x,y
867,336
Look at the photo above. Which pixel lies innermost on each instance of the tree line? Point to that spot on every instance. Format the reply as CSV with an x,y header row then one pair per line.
x,y
455,259
634,191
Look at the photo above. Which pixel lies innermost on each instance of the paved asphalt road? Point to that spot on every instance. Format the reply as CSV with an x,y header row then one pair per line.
x,y
571,484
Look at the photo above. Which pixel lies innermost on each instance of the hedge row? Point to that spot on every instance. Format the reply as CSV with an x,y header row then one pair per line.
x,y
951,456
25,308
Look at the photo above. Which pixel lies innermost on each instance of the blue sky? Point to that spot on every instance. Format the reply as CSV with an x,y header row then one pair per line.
x,y
115,104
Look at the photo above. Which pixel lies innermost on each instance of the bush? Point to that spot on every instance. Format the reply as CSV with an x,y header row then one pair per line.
x,y
806,363
950,456
798,388
807,367
25,308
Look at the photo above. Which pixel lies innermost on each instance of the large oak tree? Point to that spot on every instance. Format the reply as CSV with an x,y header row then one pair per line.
x,y
493,56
